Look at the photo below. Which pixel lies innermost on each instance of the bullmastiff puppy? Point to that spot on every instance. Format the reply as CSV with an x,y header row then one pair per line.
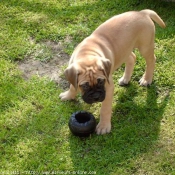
x,y
105,50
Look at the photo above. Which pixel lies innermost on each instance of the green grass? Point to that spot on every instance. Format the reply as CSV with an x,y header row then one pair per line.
x,y
34,134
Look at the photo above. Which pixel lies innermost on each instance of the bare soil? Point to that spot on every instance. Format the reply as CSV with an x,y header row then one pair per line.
x,y
51,68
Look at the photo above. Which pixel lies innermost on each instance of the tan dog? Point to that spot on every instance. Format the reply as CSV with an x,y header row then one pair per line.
x,y
106,49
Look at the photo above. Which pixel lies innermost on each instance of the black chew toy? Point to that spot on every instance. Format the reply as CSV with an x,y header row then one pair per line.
x,y
82,123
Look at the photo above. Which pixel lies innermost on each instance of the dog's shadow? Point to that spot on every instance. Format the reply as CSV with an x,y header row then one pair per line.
x,y
135,129
139,117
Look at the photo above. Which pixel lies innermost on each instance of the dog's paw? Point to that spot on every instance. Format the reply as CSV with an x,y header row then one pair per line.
x,y
123,81
66,96
144,82
103,128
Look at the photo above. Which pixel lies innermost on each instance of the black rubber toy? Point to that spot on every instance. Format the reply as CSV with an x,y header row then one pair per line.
x,y
82,123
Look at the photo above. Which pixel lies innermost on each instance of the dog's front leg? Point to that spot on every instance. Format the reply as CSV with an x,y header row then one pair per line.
x,y
69,95
104,126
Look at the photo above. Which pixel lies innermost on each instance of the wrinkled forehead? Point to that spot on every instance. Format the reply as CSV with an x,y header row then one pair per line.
x,y
90,76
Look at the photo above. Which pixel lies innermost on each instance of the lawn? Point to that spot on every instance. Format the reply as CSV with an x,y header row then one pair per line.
x,y
34,133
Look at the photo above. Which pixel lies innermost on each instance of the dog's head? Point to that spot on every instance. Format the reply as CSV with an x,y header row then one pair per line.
x,y
90,76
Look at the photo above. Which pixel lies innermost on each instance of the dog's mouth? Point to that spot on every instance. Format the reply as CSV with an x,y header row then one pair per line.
x,y
93,96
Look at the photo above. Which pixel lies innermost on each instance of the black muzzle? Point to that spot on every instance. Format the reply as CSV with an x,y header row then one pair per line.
x,y
94,95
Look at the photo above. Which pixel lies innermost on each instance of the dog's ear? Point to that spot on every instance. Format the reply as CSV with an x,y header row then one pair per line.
x,y
71,74
106,67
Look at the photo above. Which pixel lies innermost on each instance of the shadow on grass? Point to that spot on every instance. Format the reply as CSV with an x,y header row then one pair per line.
x,y
135,130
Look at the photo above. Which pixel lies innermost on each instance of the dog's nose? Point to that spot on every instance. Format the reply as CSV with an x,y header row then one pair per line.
x,y
96,96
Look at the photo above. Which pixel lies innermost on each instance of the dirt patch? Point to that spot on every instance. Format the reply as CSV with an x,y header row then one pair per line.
x,y
46,60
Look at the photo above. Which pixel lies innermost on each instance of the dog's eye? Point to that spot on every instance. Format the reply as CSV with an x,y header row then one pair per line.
x,y
100,81
85,86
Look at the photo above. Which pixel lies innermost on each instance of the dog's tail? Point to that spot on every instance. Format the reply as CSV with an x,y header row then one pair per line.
x,y
154,16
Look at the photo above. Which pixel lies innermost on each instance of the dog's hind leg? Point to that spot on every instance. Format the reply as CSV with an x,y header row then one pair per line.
x,y
129,66
150,58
